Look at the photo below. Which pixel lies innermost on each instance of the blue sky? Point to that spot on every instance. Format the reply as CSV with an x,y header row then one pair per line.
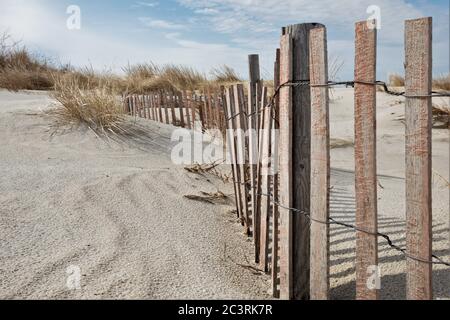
x,y
208,33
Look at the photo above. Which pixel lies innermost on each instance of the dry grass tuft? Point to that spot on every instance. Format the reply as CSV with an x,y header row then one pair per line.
x,y
97,107
211,198
144,78
224,75
442,83
396,80
439,83
19,69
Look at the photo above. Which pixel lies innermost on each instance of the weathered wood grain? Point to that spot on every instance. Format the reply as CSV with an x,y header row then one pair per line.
x,y
286,74
320,165
242,155
265,174
365,159
275,188
301,158
232,148
418,46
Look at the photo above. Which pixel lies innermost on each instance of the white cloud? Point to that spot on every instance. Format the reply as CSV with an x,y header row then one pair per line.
x,y
207,11
256,24
160,24
43,30
139,4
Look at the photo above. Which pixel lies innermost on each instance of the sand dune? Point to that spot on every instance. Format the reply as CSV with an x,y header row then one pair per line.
x,y
115,208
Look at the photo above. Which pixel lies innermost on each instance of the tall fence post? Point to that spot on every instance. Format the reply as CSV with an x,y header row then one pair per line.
x,y
365,160
301,158
320,165
275,172
265,163
418,45
285,94
254,75
241,128
231,136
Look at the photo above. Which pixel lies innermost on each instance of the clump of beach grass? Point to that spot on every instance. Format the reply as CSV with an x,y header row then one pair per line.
x,y
224,75
97,107
439,83
148,77
396,80
19,69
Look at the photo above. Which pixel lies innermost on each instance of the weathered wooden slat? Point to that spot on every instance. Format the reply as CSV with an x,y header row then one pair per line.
x,y
180,107
286,74
275,191
265,183
365,160
141,106
187,105
160,107
152,106
146,107
242,155
193,105
254,76
301,158
132,105
171,101
418,45
320,165
232,148
165,106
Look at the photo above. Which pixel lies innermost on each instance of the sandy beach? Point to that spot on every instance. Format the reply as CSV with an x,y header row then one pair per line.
x,y
116,209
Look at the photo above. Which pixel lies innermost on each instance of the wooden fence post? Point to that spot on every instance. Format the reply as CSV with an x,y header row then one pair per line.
x,y
147,107
172,108
187,104
165,105
320,165
193,107
254,75
265,201
365,160
301,158
418,45
152,106
179,101
275,208
286,75
232,147
241,128
159,101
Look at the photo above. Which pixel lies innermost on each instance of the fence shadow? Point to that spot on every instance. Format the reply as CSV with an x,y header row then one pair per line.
x,y
342,253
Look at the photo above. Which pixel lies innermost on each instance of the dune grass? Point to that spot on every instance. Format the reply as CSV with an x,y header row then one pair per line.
x,y
97,107
439,83
19,69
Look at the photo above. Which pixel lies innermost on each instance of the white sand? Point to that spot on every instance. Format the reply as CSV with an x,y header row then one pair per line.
x,y
116,210
391,194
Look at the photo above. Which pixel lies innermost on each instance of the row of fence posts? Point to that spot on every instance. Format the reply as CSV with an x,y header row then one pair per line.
x,y
273,173
187,109
292,169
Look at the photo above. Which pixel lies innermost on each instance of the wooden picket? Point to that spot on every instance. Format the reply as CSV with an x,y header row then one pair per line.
x,y
365,158
418,62
320,165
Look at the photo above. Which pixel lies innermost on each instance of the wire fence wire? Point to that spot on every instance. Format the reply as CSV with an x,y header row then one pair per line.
x,y
332,221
